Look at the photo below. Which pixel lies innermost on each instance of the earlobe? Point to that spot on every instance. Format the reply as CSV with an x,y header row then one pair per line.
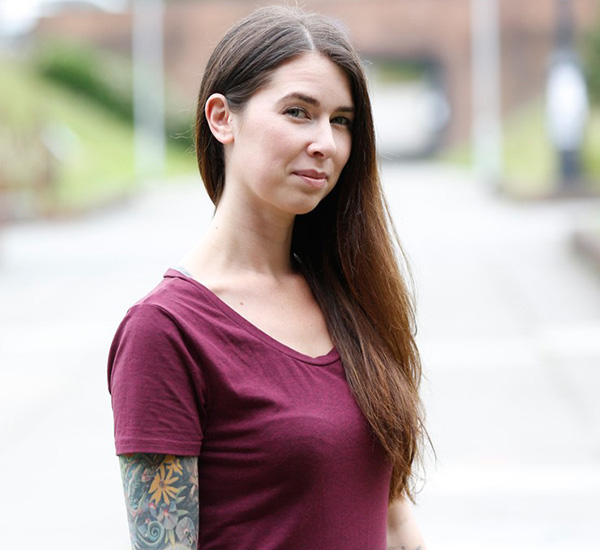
x,y
218,116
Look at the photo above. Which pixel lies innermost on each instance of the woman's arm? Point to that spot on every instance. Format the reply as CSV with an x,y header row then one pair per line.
x,y
161,495
402,530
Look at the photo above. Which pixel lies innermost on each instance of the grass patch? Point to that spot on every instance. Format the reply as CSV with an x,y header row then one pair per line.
x,y
529,159
530,162
591,151
91,148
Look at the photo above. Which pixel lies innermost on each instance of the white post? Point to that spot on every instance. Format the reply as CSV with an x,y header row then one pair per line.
x,y
148,88
485,70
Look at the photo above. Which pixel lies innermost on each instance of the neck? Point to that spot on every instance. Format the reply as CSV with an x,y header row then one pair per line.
x,y
240,239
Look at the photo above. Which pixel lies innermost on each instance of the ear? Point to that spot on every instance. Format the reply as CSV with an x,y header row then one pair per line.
x,y
218,116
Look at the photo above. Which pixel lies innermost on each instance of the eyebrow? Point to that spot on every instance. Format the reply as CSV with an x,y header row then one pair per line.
x,y
313,101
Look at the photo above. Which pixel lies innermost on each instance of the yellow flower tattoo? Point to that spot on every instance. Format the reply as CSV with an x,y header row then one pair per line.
x,y
161,488
173,464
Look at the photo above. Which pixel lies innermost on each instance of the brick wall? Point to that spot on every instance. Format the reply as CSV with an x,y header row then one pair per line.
x,y
438,29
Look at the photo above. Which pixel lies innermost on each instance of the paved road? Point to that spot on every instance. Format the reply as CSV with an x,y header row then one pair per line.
x,y
509,328
510,336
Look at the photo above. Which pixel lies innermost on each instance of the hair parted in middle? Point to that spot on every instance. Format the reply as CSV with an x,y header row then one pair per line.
x,y
347,246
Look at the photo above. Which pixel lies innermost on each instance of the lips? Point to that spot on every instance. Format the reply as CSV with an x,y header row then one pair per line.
x,y
313,178
313,174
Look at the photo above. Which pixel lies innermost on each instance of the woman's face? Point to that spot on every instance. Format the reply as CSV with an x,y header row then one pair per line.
x,y
293,137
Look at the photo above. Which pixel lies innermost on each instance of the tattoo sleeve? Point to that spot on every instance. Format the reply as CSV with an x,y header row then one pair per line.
x,y
161,496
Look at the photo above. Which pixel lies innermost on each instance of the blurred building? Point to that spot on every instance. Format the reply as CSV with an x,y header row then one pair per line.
x,y
432,35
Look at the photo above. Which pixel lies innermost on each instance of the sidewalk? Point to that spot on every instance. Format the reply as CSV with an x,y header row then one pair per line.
x,y
64,287
510,337
509,329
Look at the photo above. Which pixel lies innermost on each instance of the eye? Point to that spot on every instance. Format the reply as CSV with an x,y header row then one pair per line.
x,y
296,112
342,121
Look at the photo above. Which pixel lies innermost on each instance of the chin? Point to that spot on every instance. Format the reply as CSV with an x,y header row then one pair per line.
x,y
305,208
306,204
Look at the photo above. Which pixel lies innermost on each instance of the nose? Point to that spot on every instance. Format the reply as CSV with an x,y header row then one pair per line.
x,y
323,142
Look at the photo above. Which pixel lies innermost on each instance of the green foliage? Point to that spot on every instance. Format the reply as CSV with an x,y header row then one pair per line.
x,y
70,153
106,79
393,71
591,57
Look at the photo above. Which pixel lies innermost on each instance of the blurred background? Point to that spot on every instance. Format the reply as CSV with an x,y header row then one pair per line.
x,y
488,123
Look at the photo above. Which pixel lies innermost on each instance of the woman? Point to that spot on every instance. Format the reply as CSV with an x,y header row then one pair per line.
x,y
266,392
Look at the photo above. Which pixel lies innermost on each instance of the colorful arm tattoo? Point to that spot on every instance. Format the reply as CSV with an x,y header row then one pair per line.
x,y
161,495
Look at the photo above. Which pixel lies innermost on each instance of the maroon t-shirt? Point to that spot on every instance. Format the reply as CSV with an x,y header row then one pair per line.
x,y
286,458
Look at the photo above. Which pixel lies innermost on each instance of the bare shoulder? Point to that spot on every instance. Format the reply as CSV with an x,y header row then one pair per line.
x,y
161,496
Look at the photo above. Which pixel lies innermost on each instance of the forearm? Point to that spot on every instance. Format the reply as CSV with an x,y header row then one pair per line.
x,y
403,533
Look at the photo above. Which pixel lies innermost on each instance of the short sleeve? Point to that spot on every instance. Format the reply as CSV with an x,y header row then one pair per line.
x,y
156,386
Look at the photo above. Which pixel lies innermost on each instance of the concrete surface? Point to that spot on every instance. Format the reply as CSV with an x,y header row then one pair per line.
x,y
509,330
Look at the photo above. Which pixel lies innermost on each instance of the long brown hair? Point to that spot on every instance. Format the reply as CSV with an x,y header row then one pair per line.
x,y
347,246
